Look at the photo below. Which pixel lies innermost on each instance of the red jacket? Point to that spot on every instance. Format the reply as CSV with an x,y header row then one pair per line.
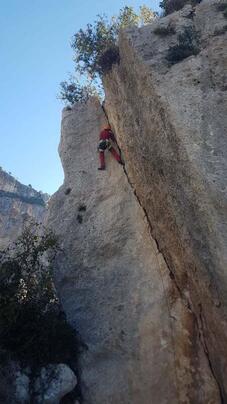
x,y
107,134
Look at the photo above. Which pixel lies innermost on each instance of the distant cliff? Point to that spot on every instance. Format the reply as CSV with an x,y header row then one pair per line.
x,y
18,204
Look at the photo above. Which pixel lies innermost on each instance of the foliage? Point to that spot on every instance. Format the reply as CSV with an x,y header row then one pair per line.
x,y
187,46
169,6
127,18
95,52
73,91
147,16
7,376
221,6
164,31
91,45
106,60
32,325
220,31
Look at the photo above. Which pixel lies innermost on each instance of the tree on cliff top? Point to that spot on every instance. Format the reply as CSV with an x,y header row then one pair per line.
x,y
92,44
95,51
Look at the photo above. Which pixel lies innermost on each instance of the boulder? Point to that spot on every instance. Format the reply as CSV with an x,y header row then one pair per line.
x,y
53,383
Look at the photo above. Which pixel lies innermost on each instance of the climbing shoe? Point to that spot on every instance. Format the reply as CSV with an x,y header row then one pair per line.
x,y
101,168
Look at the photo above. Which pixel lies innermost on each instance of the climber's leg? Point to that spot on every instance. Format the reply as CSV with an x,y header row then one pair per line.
x,y
102,160
115,155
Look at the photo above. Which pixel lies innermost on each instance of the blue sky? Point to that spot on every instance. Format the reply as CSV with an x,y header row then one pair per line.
x,y
35,56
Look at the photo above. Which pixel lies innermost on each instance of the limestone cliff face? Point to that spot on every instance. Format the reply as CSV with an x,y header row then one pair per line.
x,y
171,124
141,341
18,204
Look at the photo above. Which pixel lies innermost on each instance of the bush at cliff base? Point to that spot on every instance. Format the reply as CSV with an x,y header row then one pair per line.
x,y
33,328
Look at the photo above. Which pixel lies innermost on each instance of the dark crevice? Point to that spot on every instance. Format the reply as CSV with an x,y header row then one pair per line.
x,y
200,326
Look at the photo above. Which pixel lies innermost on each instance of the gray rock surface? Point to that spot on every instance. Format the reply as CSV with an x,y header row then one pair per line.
x,y
171,125
141,344
54,382
8,371
22,385
18,205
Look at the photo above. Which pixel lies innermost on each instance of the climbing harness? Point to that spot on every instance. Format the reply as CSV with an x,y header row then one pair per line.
x,y
103,145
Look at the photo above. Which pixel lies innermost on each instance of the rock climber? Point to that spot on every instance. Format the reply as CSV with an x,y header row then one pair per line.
x,y
105,137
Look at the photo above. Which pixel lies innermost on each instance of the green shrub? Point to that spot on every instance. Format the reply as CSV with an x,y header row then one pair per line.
x,y
96,46
73,91
169,6
220,31
96,50
89,45
127,18
33,327
221,6
109,57
164,31
147,16
187,46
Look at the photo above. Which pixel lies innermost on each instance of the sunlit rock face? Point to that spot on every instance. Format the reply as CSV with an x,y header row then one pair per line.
x,y
140,340
19,204
170,121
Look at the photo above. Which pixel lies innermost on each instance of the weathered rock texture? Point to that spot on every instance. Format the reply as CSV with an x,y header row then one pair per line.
x,y
18,205
142,342
171,124
49,385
